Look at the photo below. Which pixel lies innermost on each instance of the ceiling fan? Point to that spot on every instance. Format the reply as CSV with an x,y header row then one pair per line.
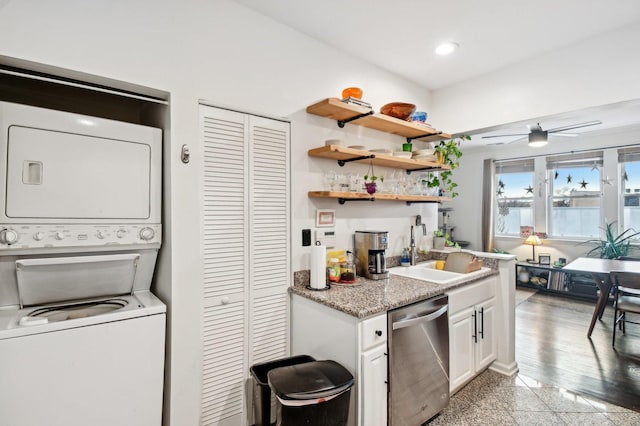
x,y
539,137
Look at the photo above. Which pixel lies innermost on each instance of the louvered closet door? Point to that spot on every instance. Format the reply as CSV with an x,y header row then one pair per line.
x,y
269,248
246,256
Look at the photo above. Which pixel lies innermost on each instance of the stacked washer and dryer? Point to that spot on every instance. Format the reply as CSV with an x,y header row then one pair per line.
x,y
81,335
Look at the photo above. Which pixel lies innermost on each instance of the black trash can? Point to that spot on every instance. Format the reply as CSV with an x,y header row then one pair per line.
x,y
261,390
312,394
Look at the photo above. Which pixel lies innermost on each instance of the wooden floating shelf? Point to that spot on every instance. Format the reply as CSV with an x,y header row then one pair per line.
x,y
341,153
363,196
336,109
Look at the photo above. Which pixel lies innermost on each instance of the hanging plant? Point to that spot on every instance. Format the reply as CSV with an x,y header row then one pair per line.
x,y
370,180
449,153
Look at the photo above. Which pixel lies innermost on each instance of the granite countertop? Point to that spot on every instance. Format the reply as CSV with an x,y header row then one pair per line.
x,y
370,297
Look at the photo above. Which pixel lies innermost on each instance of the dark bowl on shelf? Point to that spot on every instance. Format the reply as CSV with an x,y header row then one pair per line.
x,y
398,110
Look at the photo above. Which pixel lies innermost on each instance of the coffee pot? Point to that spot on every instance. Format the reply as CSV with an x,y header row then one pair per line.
x,y
370,247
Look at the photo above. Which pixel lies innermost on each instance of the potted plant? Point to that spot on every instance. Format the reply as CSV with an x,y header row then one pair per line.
x,y
449,153
370,180
611,245
439,239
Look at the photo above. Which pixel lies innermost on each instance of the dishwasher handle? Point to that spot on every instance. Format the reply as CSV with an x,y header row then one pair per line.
x,y
420,318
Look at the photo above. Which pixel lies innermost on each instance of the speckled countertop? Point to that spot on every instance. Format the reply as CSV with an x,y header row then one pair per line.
x,y
370,297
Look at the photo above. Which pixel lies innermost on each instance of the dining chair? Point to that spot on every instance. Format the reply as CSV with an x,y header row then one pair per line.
x,y
626,286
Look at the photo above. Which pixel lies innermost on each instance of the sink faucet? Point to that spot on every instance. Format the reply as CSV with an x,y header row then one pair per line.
x,y
412,248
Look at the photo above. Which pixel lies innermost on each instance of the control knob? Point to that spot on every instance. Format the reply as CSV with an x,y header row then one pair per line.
x,y
147,233
38,236
59,236
8,236
120,233
100,235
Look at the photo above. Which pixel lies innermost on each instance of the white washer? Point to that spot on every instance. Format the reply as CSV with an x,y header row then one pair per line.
x,y
90,361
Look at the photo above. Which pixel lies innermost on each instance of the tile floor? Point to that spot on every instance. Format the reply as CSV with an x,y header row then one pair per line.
x,y
494,399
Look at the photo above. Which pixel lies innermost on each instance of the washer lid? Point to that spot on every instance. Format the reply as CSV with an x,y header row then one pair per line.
x,y
56,279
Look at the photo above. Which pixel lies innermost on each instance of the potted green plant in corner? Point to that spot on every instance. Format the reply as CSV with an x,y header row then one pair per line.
x,y
449,153
370,180
612,245
439,239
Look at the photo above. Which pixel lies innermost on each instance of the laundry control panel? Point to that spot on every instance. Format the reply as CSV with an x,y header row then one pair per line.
x,y
16,236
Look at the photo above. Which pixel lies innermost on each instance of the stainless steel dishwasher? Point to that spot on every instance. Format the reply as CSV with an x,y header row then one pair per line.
x,y
418,361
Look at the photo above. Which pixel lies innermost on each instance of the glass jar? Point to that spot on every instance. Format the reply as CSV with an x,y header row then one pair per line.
x,y
334,269
348,272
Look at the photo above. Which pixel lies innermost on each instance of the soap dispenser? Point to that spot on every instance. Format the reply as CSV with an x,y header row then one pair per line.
x,y
405,259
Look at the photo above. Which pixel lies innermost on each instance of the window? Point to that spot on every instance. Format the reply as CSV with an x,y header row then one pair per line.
x,y
629,159
514,196
575,195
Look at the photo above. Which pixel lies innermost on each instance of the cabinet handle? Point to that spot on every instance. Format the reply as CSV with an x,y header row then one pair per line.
x,y
475,327
378,333
482,323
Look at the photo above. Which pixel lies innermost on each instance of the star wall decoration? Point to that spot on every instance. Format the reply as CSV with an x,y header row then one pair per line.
x,y
583,184
569,178
625,177
556,174
529,189
500,184
503,210
595,167
500,192
607,181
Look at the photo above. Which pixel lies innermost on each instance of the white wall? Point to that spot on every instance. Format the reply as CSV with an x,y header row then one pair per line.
x,y
218,51
599,71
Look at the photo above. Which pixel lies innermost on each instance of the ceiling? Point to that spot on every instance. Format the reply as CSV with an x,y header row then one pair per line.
x,y
401,36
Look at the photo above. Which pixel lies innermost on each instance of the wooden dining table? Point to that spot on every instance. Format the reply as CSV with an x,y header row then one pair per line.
x,y
599,270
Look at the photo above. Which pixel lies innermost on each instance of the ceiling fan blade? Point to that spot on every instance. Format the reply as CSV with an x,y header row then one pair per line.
x,y
571,135
501,136
575,126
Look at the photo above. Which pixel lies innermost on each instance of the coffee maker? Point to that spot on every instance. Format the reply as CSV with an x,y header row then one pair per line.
x,y
370,247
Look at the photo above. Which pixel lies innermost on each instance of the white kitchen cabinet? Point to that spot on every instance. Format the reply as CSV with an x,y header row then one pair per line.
x,y
359,345
373,409
472,341
245,245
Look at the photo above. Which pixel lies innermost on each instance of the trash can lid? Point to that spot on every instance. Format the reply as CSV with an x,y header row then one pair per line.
x,y
311,380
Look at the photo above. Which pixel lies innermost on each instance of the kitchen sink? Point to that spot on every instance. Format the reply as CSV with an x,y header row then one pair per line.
x,y
427,271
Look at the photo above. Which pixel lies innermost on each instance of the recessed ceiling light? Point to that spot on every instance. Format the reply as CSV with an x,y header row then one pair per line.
x,y
447,48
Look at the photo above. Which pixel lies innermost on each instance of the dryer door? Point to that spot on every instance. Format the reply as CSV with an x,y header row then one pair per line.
x,y
55,175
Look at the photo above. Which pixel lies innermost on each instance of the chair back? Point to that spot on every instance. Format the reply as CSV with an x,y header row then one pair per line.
x,y
627,280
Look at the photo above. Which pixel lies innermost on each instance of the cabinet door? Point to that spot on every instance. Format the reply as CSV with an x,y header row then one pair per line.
x,y
373,393
461,348
486,350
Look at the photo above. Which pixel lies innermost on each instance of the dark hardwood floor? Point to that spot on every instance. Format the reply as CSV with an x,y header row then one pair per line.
x,y
552,346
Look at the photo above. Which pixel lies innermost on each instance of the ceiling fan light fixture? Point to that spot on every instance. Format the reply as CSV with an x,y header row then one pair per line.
x,y
537,139
447,48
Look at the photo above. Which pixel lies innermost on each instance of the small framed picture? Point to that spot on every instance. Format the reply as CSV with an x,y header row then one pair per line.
x,y
326,218
544,259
